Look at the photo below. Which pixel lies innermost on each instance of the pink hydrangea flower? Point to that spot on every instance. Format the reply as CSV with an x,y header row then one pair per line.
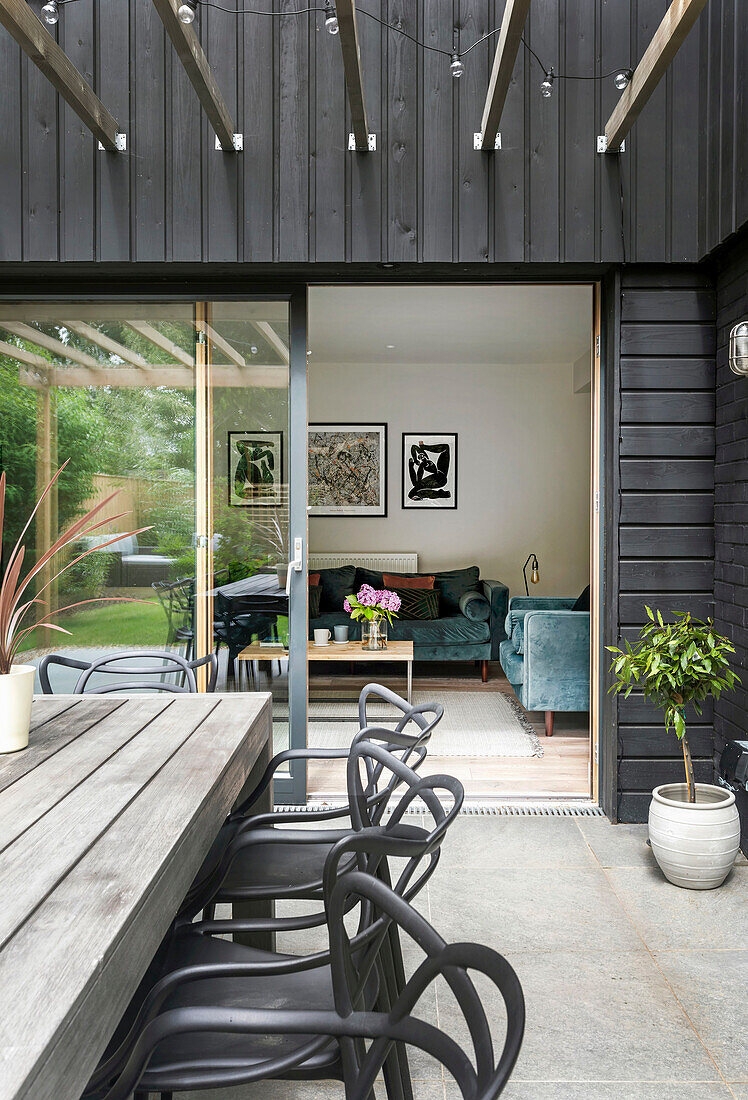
x,y
346,605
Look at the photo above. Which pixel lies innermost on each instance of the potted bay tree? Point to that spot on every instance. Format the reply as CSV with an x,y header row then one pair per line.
x,y
694,828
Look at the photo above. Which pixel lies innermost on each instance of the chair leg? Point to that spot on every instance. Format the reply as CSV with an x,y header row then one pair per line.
x,y
484,671
549,723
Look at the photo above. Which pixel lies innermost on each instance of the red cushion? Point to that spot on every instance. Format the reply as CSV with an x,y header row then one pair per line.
x,y
391,580
314,579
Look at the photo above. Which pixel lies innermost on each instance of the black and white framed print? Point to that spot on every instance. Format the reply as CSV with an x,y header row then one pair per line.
x,y
429,470
348,469
255,468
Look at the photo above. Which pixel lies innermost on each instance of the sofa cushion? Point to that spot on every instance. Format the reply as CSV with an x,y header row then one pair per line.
x,y
315,598
455,630
313,579
453,583
394,580
418,603
474,605
336,585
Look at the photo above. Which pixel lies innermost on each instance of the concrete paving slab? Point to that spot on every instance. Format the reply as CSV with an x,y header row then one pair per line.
x,y
589,1090
617,845
486,843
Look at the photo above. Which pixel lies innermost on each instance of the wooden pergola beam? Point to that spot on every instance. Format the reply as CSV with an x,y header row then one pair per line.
x,y
163,342
101,340
259,377
354,81
228,349
36,41
666,41
510,36
41,340
195,63
271,337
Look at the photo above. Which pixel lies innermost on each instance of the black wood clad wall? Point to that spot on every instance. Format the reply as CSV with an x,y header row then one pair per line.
x,y
731,502
666,522
297,195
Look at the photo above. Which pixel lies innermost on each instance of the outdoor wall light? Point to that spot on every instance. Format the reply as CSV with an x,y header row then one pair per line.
x,y
622,79
331,19
738,357
546,88
534,575
50,13
187,11
457,66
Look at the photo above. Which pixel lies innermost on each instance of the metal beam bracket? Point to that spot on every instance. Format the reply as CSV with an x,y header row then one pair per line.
x,y
238,140
602,145
120,141
371,143
478,141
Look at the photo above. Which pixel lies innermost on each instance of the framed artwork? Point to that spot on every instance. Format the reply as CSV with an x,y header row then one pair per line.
x,y
347,469
429,470
255,468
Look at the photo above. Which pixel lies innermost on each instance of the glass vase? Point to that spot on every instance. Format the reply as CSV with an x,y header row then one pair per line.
x,y
374,634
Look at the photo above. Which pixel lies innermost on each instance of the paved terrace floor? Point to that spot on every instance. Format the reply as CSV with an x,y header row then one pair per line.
x,y
635,989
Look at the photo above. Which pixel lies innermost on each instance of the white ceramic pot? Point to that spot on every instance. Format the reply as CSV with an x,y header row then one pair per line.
x,y
16,695
281,572
695,843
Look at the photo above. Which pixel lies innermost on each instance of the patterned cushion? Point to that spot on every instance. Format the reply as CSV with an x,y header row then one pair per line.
x,y
418,603
394,580
315,596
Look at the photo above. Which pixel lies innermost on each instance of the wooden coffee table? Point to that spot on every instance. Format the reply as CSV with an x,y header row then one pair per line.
x,y
344,651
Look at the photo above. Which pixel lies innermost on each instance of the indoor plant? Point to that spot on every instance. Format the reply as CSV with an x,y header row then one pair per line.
x,y
693,827
375,608
17,680
274,535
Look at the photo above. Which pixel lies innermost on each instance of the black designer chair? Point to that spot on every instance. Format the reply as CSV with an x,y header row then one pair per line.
x,y
210,1024
262,872
146,676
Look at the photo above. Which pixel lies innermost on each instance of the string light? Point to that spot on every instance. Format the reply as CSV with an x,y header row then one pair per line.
x,y
331,18
457,66
546,88
187,11
51,13
622,79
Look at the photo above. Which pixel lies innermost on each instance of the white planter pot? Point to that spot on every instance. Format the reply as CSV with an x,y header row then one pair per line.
x,y
695,843
281,572
16,695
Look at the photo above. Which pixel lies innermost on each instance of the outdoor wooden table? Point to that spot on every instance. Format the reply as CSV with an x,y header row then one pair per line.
x,y
104,821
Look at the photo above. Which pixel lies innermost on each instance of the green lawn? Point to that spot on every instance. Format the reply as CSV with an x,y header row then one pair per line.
x,y
126,624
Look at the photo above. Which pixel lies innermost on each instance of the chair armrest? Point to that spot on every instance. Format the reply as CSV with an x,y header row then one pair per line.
x,y
557,660
497,595
520,605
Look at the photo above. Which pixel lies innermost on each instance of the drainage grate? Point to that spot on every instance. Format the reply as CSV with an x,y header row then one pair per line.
x,y
485,809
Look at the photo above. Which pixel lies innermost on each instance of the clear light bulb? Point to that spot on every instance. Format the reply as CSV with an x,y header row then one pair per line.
x,y
331,19
186,12
457,66
50,13
622,79
546,88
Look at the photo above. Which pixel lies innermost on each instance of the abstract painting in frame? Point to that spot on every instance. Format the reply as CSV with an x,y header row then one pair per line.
x,y
429,470
255,468
347,469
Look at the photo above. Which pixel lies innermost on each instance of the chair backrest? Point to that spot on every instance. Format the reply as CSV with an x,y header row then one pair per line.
x,y
146,676
479,1075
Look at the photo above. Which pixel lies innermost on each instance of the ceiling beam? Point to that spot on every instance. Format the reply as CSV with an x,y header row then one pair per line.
x,y
271,337
195,63
510,36
354,81
36,41
666,41
101,340
63,351
44,373
163,342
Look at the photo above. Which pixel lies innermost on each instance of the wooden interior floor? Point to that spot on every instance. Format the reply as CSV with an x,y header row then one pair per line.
x,y
563,771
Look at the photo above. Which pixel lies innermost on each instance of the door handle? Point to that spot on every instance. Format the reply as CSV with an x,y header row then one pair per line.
x,y
297,565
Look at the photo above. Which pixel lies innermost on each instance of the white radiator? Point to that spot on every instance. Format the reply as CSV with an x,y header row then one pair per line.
x,y
383,563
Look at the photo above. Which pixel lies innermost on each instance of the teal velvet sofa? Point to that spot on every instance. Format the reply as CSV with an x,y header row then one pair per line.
x,y
472,613
546,654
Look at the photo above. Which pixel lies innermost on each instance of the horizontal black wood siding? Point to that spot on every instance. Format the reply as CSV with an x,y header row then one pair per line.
x,y
731,503
666,519
296,195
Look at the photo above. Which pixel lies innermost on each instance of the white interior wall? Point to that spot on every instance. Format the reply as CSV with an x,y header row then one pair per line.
x,y
523,465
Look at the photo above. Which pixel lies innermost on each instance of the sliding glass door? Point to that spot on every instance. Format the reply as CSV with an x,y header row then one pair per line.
x,y
194,414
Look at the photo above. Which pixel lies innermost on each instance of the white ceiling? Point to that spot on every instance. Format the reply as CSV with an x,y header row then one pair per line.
x,y
468,324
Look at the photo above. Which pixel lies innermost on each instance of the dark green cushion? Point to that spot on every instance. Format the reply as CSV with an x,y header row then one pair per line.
x,y
315,599
336,584
417,603
453,583
474,605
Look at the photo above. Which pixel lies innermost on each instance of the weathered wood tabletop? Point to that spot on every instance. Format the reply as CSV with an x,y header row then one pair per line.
x,y
104,821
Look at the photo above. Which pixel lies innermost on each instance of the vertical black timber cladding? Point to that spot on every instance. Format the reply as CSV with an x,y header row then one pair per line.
x,y
402,102
474,167
731,504
438,99
12,218
78,147
666,527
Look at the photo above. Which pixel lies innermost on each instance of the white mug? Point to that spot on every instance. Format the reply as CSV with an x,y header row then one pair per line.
x,y
322,637
341,633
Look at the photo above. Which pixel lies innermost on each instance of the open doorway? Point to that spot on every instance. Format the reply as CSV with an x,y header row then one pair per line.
x,y
450,461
